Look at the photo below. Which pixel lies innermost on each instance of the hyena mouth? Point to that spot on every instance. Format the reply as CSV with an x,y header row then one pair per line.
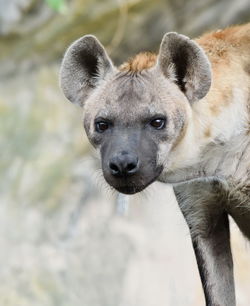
x,y
132,188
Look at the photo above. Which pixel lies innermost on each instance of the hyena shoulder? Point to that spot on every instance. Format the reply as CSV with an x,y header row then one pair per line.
x,y
223,44
228,52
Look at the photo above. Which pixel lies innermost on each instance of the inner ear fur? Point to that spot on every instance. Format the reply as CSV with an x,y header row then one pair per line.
x,y
184,61
84,65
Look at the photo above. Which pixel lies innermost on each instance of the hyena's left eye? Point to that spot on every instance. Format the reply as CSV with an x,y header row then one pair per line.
x,y
158,123
101,126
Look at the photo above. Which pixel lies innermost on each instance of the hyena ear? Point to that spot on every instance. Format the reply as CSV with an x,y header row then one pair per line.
x,y
84,66
183,60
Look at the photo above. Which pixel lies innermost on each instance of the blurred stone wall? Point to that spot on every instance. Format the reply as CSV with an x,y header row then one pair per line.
x,y
61,239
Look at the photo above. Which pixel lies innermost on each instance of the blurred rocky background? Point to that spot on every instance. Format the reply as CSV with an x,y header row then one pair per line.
x,y
62,241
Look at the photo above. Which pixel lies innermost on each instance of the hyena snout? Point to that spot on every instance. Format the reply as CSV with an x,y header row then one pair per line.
x,y
124,164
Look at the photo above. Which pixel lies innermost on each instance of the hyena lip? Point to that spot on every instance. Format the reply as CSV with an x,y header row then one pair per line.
x,y
134,184
130,189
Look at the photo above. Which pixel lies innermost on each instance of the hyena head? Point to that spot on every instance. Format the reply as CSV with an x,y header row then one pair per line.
x,y
137,114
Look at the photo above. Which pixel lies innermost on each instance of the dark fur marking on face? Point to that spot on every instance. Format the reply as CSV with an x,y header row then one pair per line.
x,y
94,140
87,122
133,142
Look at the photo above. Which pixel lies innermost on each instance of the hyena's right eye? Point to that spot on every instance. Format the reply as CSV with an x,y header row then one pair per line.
x,y
101,126
158,123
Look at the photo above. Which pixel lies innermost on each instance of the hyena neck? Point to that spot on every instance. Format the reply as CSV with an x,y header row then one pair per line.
x,y
213,141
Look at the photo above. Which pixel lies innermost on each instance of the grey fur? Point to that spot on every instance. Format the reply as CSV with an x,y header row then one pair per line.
x,y
84,65
203,205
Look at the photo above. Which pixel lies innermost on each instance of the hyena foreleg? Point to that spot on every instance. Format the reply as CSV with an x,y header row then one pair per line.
x,y
208,222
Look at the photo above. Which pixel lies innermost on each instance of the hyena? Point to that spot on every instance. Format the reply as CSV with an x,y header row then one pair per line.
x,y
179,117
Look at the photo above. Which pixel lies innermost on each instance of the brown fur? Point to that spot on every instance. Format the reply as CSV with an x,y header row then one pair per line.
x,y
222,48
221,43
140,62
219,46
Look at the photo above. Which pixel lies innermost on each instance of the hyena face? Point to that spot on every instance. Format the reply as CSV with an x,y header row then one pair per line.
x,y
129,121
135,116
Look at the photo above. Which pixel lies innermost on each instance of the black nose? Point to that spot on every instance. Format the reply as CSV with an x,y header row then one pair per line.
x,y
123,164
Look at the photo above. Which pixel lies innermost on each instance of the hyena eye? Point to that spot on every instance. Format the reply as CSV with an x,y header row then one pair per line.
x,y
158,123
101,126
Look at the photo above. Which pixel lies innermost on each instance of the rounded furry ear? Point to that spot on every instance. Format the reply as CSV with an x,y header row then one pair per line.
x,y
84,66
184,61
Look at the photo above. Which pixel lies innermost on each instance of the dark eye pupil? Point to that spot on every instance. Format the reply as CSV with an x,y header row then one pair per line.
x,y
157,123
101,126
